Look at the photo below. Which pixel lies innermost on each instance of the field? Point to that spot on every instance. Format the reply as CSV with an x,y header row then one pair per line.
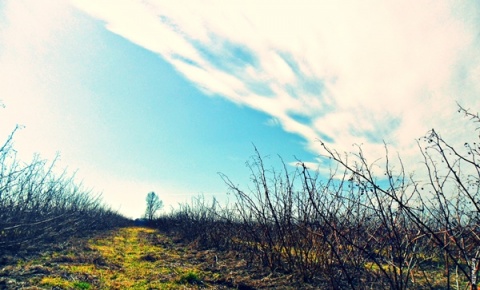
x,y
143,258
135,258
362,225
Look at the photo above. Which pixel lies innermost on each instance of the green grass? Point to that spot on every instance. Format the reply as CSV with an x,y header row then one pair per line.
x,y
131,258
190,277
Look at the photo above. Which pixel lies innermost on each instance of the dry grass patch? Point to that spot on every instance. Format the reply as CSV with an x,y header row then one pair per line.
x,y
129,260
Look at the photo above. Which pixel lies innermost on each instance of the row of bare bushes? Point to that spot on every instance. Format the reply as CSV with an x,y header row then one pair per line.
x,y
354,228
38,207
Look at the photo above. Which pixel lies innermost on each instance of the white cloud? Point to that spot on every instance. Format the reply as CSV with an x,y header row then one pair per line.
x,y
360,72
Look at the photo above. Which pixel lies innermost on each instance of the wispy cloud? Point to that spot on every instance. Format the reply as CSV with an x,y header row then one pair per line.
x,y
344,71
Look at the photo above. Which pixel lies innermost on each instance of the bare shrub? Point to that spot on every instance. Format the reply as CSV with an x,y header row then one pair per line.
x,y
39,207
362,226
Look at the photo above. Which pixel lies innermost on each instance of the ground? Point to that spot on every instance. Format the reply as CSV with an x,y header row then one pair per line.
x,y
135,258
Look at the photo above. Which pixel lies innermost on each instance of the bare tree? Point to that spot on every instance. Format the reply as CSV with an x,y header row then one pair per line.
x,y
154,204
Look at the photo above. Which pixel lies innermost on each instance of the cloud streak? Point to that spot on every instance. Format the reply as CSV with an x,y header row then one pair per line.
x,y
345,71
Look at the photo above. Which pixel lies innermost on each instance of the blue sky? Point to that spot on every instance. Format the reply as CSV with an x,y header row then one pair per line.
x,y
162,95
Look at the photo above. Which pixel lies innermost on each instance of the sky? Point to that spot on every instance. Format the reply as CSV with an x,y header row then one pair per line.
x,y
139,96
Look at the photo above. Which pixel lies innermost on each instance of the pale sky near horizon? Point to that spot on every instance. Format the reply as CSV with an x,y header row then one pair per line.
x,y
141,96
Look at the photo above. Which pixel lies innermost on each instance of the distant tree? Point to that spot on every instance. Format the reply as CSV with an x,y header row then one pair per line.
x,y
154,204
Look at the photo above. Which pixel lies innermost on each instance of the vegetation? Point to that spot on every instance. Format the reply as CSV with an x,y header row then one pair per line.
x,y
130,258
361,226
38,208
134,258
357,229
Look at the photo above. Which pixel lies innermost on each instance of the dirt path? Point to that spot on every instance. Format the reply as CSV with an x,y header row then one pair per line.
x,y
133,258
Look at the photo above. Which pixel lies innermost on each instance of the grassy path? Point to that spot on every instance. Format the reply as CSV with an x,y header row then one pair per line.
x,y
133,258
129,258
